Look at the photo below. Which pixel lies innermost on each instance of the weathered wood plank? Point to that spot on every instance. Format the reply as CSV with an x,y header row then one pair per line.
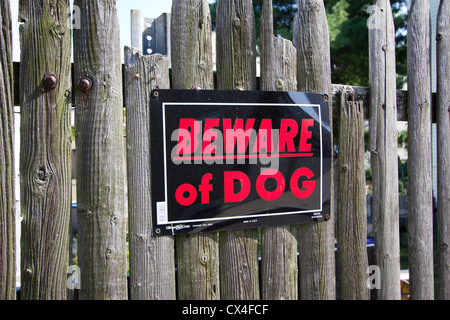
x,y
236,66
152,272
352,259
7,174
100,152
420,220
45,162
384,151
267,47
443,74
236,45
192,66
279,262
316,241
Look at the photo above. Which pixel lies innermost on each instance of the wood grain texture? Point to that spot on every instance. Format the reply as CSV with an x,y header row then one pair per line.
x,y
100,153
191,45
279,262
443,74
351,234
45,163
236,45
152,273
316,241
383,148
7,173
420,220
197,254
236,66
267,47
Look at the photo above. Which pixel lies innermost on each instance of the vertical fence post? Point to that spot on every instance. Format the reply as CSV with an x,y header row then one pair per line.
x,y
7,194
316,241
45,163
102,251
197,254
152,270
279,274
236,66
351,212
420,221
443,74
267,47
383,148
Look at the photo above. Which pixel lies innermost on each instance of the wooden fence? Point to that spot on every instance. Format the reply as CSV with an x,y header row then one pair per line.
x,y
295,262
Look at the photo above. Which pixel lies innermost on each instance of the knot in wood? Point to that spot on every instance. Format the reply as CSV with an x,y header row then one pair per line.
x,y
114,219
237,22
41,175
204,258
109,254
439,37
51,81
279,84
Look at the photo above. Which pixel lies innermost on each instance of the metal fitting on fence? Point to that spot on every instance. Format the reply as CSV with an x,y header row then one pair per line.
x,y
51,81
85,84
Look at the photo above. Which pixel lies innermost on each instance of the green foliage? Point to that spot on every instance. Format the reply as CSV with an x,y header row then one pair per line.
x,y
283,16
349,38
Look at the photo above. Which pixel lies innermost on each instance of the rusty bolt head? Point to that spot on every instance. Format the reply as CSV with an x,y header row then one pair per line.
x,y
85,84
51,81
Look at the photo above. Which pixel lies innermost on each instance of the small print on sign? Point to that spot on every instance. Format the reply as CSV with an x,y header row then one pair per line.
x,y
226,160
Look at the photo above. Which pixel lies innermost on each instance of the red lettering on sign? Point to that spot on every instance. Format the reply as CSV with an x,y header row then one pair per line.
x,y
288,131
180,194
305,135
187,137
237,133
264,140
206,187
210,135
261,188
229,179
307,186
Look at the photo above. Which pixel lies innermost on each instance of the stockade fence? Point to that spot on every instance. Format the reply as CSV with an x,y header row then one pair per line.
x,y
296,262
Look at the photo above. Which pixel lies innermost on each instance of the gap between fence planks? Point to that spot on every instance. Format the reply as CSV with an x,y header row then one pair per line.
x,y
420,210
443,75
7,173
102,249
192,66
152,273
384,150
